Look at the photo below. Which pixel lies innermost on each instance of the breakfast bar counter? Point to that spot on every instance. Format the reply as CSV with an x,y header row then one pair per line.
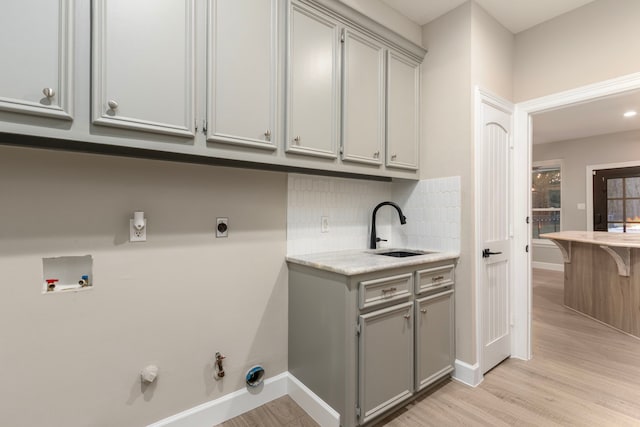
x,y
602,276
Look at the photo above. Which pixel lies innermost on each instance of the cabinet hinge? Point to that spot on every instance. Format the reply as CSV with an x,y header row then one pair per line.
x,y
204,126
342,36
358,411
357,328
196,123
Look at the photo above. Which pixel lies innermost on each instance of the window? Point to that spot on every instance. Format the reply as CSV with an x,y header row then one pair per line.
x,y
616,200
545,197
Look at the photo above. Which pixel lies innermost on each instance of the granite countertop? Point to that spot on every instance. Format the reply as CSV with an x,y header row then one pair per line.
x,y
360,261
604,238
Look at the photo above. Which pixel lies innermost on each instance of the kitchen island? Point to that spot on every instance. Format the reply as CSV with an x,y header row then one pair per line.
x,y
602,276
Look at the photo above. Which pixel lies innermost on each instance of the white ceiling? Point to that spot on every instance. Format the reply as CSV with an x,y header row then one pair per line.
x,y
598,117
515,15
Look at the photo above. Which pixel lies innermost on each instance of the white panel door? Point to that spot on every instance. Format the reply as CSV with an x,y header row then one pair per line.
x,y
363,99
143,65
403,112
313,83
495,220
36,54
241,73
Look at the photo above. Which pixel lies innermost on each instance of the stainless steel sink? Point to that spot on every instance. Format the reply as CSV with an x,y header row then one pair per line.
x,y
402,253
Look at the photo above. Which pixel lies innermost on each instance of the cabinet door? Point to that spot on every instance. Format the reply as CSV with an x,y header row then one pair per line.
x,y
403,109
313,83
36,47
385,366
434,338
143,65
242,59
363,103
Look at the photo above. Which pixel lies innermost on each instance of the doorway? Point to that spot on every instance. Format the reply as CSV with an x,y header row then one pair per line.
x,y
522,260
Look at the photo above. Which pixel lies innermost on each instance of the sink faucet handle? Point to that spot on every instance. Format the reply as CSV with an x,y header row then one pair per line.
x,y
378,239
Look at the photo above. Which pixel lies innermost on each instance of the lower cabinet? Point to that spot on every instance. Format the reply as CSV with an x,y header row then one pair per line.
x,y
366,343
385,366
434,338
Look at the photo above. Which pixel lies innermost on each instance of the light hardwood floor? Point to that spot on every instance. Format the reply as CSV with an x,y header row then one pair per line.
x,y
582,374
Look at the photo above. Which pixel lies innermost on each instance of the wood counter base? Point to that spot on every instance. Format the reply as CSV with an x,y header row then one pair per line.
x,y
593,286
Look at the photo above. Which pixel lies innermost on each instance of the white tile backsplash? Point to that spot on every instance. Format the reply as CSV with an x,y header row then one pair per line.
x,y
347,203
432,208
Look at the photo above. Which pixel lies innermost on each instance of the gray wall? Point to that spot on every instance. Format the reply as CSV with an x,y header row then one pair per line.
x,y
593,43
74,359
467,47
577,155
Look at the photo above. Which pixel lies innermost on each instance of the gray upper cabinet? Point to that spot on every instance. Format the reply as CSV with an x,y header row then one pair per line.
x,y
312,83
143,65
309,85
242,76
403,111
36,47
363,99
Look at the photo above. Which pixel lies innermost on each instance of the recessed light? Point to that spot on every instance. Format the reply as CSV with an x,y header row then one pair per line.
x,y
630,113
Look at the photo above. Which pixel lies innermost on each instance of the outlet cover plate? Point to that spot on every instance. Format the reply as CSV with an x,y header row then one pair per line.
x,y
324,224
136,235
222,227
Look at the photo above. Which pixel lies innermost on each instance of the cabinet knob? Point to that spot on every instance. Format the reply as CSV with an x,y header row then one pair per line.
x,y
424,310
49,92
393,157
112,104
407,316
267,135
376,154
297,140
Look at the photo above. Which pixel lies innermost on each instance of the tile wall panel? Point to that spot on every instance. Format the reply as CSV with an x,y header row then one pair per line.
x,y
432,208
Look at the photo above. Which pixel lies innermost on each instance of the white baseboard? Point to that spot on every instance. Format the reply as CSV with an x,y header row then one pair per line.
x,y
467,374
547,266
317,409
237,403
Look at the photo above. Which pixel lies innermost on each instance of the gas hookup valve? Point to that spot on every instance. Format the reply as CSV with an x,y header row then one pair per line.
x,y
218,366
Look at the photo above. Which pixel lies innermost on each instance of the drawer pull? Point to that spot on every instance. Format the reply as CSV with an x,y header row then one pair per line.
x,y
437,278
384,291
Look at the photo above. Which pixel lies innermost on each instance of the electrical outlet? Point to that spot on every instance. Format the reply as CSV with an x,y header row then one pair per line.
x,y
136,235
222,227
324,224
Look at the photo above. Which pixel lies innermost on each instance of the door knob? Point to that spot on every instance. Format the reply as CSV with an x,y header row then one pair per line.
x,y
487,253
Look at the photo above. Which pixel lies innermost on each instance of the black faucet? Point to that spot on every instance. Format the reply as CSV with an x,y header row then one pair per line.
x,y
374,239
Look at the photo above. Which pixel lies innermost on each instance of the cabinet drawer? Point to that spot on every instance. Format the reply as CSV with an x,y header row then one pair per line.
x,y
381,291
434,278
